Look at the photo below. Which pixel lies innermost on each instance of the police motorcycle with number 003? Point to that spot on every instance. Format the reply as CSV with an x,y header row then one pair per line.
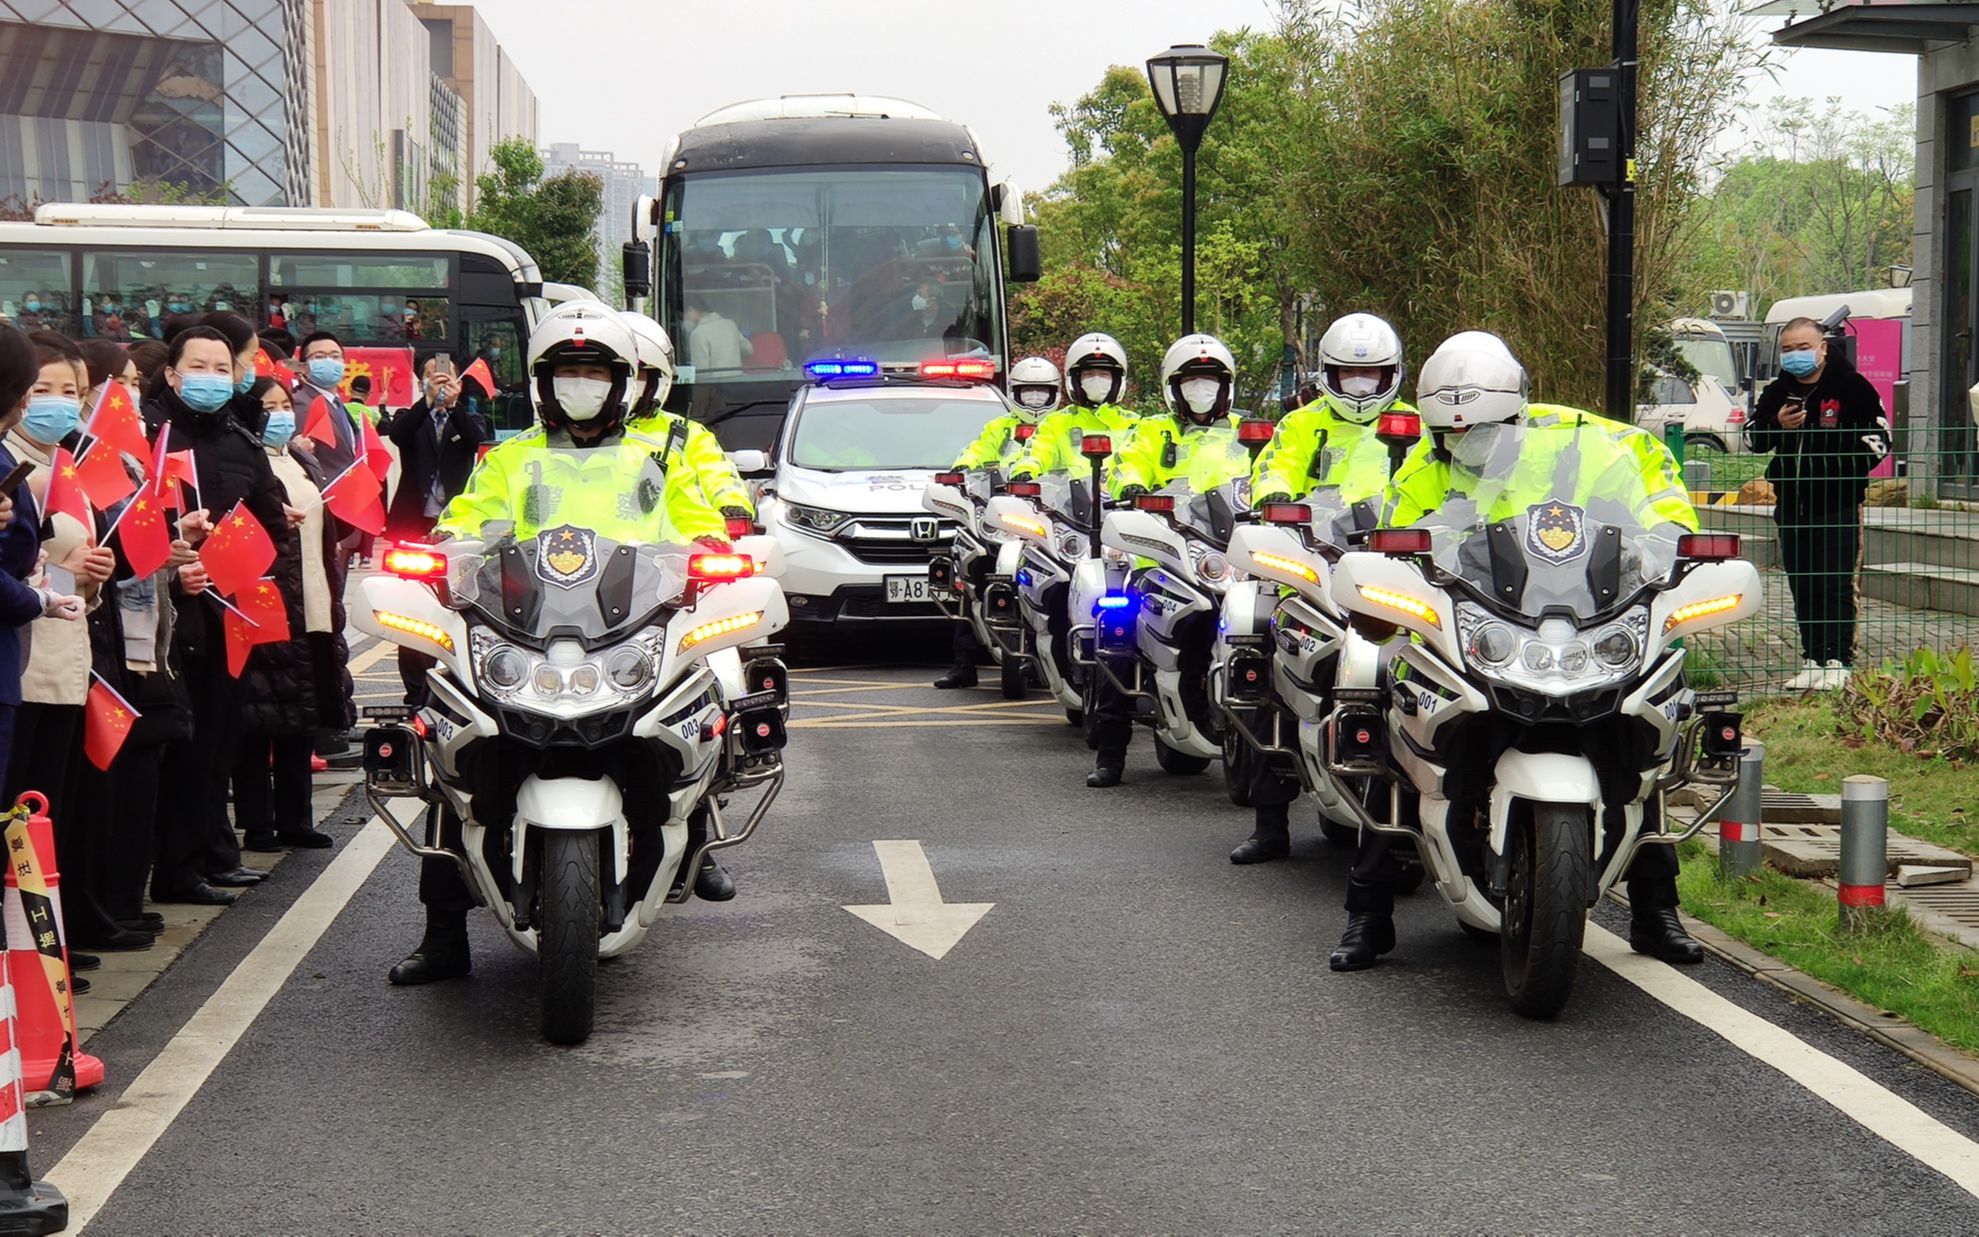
x,y
957,579
1054,520
1285,647
594,704
1537,716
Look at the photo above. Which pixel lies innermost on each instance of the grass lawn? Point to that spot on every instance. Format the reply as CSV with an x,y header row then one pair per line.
x,y
1730,472
1933,799
1892,965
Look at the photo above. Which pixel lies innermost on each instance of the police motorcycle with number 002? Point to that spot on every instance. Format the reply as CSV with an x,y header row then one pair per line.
x,y
980,551
1537,717
594,704
1054,520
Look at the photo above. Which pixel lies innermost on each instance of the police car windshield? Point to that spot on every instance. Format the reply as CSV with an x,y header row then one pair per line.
x,y
858,435
1552,518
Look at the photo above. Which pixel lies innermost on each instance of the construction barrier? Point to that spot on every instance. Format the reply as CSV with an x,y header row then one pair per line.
x,y
53,1068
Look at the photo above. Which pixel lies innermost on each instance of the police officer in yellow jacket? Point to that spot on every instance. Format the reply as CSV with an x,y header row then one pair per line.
x,y
1095,380
1322,446
1195,444
578,467
1034,389
686,441
1473,380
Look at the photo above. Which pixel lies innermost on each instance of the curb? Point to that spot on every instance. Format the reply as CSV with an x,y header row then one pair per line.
x,y
1887,1029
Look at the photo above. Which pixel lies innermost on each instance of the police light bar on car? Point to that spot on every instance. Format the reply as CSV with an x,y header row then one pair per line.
x,y
818,371
967,371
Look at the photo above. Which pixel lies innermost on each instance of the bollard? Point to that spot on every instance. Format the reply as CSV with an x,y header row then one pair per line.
x,y
1739,851
1865,846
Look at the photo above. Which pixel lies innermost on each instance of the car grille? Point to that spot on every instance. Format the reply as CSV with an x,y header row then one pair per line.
x,y
871,606
889,542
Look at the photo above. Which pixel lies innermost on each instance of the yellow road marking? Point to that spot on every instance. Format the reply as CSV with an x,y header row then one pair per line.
x,y
853,723
834,691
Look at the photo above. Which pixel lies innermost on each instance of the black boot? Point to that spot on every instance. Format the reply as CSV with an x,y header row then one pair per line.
x,y
712,883
1107,770
1370,927
1271,839
1658,932
961,674
442,952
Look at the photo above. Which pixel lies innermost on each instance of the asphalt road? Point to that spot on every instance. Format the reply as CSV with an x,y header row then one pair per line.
x,y
1138,1037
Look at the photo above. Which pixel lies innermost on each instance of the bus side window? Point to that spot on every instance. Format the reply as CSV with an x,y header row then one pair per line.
x,y
34,291
497,336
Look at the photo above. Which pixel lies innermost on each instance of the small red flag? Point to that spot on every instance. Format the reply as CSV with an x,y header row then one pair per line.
x,y
318,425
357,498
109,721
115,421
237,552
145,533
481,376
262,618
375,457
101,475
65,496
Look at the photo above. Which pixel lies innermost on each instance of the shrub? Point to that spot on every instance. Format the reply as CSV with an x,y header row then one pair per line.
x,y
1929,704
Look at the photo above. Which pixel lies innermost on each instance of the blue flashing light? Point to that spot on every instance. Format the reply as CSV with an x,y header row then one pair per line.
x,y
818,370
1023,579
1115,601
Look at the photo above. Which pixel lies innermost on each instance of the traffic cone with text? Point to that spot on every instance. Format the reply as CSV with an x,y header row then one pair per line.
x,y
53,1069
26,1205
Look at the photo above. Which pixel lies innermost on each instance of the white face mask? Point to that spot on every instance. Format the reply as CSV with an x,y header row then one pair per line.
x,y
920,302
1200,394
1096,386
1359,388
1034,397
582,399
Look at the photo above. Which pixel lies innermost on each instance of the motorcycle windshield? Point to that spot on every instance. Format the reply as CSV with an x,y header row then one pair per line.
x,y
1068,497
569,583
1350,479
1209,515
1549,519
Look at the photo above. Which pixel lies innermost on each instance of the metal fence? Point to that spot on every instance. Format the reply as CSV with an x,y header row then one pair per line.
x,y
1860,585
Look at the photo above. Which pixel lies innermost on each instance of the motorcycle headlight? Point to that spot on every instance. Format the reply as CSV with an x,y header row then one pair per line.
x,y
504,668
583,680
812,519
1616,648
629,669
1072,545
1492,644
1557,658
548,680
1537,657
1214,567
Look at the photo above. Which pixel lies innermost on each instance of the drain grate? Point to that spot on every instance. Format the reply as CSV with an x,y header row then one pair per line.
x,y
1792,808
1816,851
1948,910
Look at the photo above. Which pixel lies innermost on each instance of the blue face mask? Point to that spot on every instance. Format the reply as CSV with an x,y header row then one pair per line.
x,y
34,307
280,428
206,392
246,382
1800,362
325,372
952,241
51,418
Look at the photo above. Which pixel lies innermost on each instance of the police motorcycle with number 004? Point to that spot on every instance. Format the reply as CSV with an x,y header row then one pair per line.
x,y
1537,716
1052,519
592,700
980,551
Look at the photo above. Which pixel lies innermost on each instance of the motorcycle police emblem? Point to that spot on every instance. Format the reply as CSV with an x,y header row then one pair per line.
x,y
566,556
1556,531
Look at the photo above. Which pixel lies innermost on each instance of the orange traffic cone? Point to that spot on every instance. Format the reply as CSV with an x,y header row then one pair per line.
x,y
53,1069
26,1205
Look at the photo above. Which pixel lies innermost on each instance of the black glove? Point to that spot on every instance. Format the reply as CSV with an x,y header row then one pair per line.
x,y
719,545
1130,493
737,513
1277,496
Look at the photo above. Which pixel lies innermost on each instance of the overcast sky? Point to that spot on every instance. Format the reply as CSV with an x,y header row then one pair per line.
x,y
995,67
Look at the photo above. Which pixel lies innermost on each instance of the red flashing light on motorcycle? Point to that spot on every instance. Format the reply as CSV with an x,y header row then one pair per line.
x,y
1025,489
1286,513
714,568
1399,542
1095,446
1024,432
948,478
1708,547
1403,427
967,371
1160,504
741,526
1252,433
415,563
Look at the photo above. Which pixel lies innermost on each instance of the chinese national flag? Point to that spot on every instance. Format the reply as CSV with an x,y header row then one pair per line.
x,y
102,477
115,421
318,425
237,552
357,498
65,496
479,374
109,721
266,366
146,533
261,619
375,457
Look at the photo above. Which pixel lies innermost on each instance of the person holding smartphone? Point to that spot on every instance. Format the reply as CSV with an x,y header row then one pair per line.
x,y
1824,424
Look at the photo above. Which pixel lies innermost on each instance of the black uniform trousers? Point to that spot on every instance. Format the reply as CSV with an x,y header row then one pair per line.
x,y
272,784
196,840
441,886
1819,543
1651,875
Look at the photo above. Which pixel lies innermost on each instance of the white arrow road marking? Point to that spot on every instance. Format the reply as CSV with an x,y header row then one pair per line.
x,y
914,913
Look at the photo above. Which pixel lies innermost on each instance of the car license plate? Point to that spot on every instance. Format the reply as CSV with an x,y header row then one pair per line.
x,y
901,590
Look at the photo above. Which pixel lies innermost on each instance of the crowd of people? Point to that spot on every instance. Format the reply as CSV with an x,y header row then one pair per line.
x,y
211,689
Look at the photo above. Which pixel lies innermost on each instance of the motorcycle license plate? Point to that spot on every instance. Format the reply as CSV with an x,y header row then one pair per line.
x,y
903,590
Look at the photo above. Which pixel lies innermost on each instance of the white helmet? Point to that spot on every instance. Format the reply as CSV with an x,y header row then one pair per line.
x,y
1095,351
1034,387
1472,379
655,355
1360,341
581,333
1193,360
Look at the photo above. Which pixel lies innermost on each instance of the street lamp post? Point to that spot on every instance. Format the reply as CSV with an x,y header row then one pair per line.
x,y
1188,84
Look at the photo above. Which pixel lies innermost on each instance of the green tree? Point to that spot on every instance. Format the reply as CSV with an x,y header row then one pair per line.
x,y
551,218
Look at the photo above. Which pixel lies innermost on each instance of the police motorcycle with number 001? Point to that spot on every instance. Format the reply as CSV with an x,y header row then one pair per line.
x,y
1537,717
956,578
594,704
1284,645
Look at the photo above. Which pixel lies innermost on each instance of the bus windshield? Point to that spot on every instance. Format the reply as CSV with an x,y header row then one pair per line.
x,y
761,271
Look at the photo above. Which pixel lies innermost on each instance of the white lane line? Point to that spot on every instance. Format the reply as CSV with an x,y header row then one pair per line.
x,y
93,1169
371,657
1883,1113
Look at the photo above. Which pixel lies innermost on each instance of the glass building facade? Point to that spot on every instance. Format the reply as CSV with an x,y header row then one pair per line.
x,y
211,95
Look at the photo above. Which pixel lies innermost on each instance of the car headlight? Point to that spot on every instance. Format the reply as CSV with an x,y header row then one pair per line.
x,y
813,519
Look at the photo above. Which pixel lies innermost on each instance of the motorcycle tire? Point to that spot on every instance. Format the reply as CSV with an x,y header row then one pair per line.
x,y
1088,720
1014,680
1346,837
1237,758
1478,934
1075,717
1179,763
1545,914
567,934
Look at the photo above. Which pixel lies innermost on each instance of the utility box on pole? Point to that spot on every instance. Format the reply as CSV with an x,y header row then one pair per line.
x,y
1590,127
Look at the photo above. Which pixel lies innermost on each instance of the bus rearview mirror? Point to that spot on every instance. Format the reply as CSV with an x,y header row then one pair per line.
x,y
638,261
1026,266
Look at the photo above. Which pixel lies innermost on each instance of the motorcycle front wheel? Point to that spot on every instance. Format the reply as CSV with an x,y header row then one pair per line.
x,y
567,935
1237,758
1014,683
1178,762
1545,916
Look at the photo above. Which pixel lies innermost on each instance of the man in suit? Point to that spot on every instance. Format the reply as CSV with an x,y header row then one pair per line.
x,y
439,439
